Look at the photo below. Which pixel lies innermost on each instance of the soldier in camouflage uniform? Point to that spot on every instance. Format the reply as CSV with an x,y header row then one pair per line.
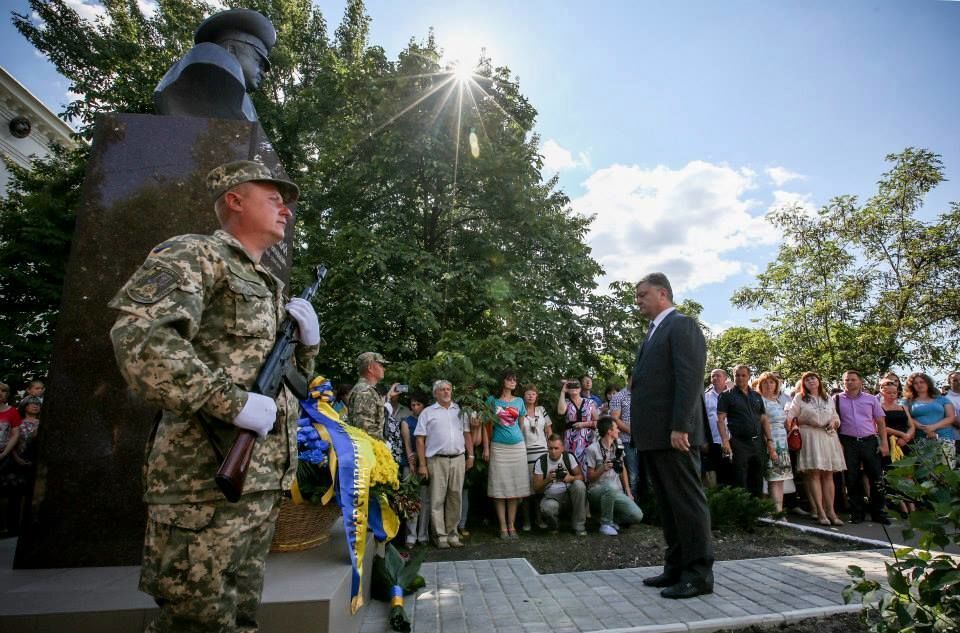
x,y
364,405
196,322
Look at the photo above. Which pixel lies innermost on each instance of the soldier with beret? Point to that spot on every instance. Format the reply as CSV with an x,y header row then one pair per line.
x,y
195,324
228,61
364,405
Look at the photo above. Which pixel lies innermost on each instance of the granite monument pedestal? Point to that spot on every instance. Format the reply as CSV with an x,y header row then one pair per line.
x,y
144,184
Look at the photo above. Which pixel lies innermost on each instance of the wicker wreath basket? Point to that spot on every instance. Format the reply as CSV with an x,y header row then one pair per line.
x,y
304,526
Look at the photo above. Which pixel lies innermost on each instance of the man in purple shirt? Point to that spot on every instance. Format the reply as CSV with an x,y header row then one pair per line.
x,y
863,435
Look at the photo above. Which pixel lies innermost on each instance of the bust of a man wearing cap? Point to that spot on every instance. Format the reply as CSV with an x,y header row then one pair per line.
x,y
214,78
195,324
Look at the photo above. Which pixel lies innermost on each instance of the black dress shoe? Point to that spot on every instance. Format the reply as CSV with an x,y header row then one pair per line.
x,y
882,519
686,589
663,580
856,518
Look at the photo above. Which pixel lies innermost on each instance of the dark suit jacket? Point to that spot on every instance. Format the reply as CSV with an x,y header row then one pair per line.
x,y
668,385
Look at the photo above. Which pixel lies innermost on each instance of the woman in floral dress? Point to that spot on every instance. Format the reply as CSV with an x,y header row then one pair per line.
x,y
778,470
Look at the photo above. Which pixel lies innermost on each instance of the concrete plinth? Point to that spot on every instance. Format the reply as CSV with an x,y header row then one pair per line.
x,y
304,592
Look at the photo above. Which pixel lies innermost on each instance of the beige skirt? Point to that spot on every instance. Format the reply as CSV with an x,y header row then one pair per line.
x,y
508,477
820,450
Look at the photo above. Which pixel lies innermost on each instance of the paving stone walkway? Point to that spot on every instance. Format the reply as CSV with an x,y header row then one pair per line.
x,y
509,596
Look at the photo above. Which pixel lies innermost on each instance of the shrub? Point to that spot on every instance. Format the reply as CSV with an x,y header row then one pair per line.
x,y
922,592
735,508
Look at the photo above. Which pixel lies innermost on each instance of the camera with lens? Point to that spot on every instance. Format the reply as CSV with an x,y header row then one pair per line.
x,y
560,473
618,458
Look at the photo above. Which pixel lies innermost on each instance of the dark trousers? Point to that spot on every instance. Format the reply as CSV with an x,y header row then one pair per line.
x,y
749,462
863,452
716,463
675,479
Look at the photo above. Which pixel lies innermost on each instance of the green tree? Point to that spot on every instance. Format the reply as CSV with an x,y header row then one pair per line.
x,y
865,286
421,192
36,221
742,345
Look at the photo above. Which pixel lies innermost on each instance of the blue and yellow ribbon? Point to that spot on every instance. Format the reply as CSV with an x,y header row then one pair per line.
x,y
351,460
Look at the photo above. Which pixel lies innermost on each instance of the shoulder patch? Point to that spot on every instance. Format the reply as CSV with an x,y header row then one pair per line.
x,y
153,284
159,248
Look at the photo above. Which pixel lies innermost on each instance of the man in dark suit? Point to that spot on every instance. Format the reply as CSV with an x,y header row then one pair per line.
x,y
668,424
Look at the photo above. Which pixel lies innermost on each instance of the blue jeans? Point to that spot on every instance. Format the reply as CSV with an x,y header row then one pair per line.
x,y
631,459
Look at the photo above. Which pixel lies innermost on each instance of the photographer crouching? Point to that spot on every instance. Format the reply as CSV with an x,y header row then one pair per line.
x,y
608,487
557,476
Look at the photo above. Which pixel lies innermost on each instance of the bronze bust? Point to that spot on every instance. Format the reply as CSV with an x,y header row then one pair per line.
x,y
215,76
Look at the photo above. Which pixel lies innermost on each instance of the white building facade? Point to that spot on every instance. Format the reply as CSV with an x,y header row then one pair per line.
x,y
27,126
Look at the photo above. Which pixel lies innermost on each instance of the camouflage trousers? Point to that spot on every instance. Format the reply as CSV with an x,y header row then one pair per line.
x,y
203,563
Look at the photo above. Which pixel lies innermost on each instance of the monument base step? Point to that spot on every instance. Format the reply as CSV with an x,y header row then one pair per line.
x,y
304,592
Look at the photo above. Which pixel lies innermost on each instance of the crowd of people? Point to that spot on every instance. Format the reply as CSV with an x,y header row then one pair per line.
x,y
844,438
813,450
19,425
538,471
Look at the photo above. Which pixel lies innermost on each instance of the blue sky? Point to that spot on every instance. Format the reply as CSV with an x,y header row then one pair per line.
x,y
681,124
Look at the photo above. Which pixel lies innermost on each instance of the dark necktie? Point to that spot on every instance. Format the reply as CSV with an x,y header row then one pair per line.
x,y
653,326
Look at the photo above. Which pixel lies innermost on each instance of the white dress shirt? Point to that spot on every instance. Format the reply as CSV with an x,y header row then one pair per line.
x,y
443,429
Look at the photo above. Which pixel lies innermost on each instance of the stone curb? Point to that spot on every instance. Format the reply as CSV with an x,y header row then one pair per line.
x,y
715,624
840,536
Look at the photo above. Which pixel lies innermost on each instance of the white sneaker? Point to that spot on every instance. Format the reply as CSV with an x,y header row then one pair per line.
x,y
608,530
453,541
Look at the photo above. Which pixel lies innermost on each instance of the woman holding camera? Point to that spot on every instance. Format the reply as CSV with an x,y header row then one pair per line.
x,y
580,415
508,480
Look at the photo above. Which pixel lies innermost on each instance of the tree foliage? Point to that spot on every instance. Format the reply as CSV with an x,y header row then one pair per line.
x,y
422,193
922,588
36,221
753,347
867,286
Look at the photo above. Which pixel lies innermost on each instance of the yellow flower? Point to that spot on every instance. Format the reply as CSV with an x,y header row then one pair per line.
x,y
384,470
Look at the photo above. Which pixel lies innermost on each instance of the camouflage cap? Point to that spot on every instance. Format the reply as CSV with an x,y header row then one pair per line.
x,y
365,359
224,177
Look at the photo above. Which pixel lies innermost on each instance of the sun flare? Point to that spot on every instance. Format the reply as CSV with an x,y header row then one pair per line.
x,y
462,73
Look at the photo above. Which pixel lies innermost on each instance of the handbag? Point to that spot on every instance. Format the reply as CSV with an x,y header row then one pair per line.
x,y
794,440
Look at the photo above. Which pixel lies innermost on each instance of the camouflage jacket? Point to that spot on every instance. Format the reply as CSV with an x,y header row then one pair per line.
x,y
196,322
365,408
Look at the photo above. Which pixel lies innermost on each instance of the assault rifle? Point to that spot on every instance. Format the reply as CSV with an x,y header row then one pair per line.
x,y
278,368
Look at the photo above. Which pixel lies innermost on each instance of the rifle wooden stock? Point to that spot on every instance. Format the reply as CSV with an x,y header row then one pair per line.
x,y
232,474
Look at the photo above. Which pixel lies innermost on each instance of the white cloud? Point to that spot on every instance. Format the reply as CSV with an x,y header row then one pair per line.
x,y
87,9
557,158
683,222
148,7
781,175
791,199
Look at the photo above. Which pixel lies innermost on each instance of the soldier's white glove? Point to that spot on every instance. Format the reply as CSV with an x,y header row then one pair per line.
x,y
258,415
308,326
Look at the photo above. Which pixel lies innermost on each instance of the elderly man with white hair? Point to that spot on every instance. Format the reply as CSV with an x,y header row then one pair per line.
x,y
443,438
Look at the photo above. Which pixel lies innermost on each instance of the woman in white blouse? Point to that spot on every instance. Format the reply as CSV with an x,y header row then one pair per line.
x,y
537,427
821,454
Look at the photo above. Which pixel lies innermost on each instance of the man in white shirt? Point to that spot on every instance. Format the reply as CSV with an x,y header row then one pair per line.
x,y
716,469
443,437
560,494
